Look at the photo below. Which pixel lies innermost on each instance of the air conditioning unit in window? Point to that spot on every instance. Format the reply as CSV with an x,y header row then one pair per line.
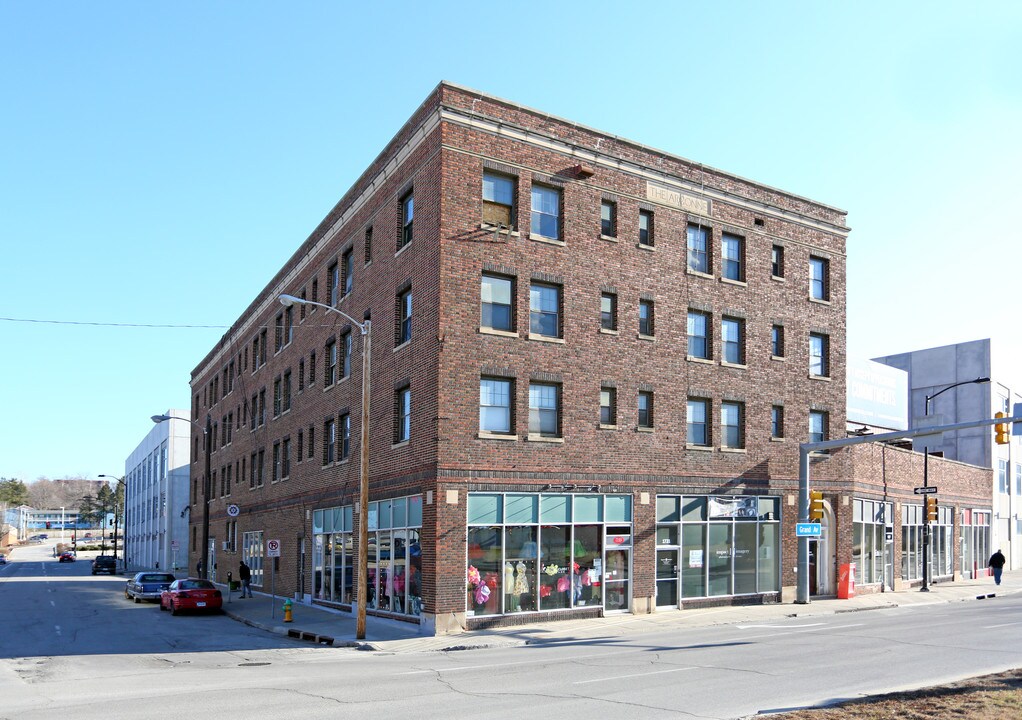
x,y
226,546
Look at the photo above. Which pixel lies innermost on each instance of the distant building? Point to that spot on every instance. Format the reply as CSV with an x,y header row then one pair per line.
x,y
156,497
932,370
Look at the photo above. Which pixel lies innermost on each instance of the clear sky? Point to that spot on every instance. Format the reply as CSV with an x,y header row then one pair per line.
x,y
160,161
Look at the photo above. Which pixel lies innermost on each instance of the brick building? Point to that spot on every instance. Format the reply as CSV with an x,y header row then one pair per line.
x,y
592,364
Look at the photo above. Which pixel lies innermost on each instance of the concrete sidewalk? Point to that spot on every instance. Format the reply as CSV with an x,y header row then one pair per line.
x,y
323,626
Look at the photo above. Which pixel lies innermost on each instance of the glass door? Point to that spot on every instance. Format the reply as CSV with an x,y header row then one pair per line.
x,y
617,574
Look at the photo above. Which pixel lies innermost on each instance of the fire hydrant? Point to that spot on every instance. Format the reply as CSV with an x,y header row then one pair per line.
x,y
287,610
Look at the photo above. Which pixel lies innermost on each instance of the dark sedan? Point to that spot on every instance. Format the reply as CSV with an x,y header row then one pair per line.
x,y
191,594
147,586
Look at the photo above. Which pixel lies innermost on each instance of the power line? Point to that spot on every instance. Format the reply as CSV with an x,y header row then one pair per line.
x,y
109,324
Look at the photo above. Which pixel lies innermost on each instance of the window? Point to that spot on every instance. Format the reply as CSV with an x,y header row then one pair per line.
x,y
731,417
732,337
315,294
261,472
495,406
329,441
402,415
301,446
777,422
403,331
819,355
646,317
698,342
732,254
608,219
285,387
262,348
254,416
347,265
312,442
496,297
1002,476
544,410
777,261
276,462
346,350
333,281
546,212
646,409
817,426
277,394
345,444
646,228
330,366
608,311
819,278
608,406
498,200
697,417
697,257
369,245
312,368
407,216
285,458
262,406
301,374
545,310
777,341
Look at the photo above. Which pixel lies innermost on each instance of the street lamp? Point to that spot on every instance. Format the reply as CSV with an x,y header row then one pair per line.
x,y
363,506
926,482
208,433
120,481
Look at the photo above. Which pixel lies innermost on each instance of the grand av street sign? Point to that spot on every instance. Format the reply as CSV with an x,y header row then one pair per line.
x,y
808,530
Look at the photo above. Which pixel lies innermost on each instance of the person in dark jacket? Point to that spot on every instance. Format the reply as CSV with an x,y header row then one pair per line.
x,y
245,575
996,563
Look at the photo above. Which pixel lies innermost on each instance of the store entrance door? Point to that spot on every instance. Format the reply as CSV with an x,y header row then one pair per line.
x,y
617,574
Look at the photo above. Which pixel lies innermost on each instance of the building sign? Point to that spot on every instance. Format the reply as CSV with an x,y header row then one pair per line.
x,y
877,395
667,196
733,507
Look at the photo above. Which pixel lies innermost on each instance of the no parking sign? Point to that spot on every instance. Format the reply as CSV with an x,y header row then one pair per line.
x,y
273,548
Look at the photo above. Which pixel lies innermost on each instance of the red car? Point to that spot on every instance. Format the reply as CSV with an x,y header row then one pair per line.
x,y
191,594
66,557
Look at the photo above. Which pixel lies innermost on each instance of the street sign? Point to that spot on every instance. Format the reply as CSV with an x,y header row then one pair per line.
x,y
273,548
929,490
808,529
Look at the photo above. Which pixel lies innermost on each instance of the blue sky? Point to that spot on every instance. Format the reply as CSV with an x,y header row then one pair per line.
x,y
147,147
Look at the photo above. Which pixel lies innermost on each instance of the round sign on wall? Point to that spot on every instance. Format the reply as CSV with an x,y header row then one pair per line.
x,y
233,510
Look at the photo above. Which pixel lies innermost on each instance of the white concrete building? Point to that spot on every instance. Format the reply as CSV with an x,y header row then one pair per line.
x,y
933,370
156,497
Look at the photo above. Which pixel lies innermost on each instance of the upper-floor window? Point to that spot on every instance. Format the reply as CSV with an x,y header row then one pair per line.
x,y
544,410
403,331
1002,476
698,339
278,333
346,353
330,366
289,326
495,405
819,278
345,439
777,422
403,415
608,218
545,310
368,245
732,257
496,294
732,338
348,266
646,228
777,340
608,406
697,416
731,425
608,311
817,426
498,200
546,212
285,392
777,261
645,409
698,259
646,317
333,281
819,355
329,441
407,216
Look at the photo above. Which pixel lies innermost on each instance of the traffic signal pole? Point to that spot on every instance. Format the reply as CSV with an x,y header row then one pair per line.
x,y
805,449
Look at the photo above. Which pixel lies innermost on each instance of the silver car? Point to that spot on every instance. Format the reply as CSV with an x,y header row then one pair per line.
x,y
148,585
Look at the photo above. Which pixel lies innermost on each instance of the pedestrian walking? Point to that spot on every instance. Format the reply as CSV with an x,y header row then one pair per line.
x,y
245,574
996,563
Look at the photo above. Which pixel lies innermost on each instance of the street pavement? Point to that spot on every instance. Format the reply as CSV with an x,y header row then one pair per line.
x,y
321,625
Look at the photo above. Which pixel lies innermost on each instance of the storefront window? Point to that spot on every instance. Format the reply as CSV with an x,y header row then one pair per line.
x,y
540,552
716,546
869,548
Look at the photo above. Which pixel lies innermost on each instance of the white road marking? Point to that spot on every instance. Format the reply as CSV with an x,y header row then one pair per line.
x,y
991,627
779,627
623,677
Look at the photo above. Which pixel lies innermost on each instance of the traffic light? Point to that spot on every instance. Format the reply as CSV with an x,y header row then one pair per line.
x,y
815,505
1001,436
931,509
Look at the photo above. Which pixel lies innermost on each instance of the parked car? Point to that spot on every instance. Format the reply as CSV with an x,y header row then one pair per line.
x,y
191,594
147,585
3,559
66,557
104,563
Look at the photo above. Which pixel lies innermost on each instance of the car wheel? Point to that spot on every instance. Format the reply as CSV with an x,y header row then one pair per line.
x,y
126,595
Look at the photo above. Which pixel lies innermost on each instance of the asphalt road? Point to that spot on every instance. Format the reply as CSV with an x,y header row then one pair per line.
x,y
71,646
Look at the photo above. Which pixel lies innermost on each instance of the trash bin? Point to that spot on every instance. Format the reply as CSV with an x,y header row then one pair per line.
x,y
846,581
